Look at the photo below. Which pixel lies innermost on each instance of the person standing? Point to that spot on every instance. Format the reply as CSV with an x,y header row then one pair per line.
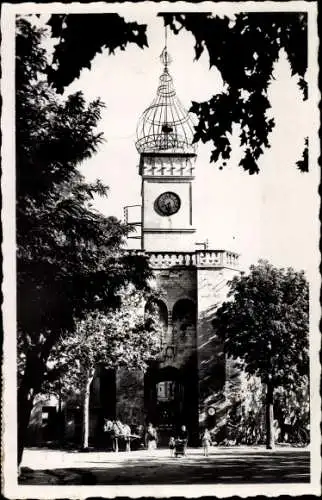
x,y
183,437
116,433
127,437
172,444
206,442
151,437
141,435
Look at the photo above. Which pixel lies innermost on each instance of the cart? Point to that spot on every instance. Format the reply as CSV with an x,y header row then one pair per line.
x,y
180,447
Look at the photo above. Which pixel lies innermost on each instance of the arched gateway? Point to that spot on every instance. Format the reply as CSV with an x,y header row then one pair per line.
x,y
171,400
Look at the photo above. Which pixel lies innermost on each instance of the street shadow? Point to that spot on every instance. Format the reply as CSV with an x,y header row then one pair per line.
x,y
245,468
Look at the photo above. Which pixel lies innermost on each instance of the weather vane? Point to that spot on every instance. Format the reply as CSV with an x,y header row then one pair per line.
x,y
165,57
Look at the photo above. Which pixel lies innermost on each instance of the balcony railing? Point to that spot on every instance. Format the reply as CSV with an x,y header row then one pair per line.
x,y
216,258
171,259
199,259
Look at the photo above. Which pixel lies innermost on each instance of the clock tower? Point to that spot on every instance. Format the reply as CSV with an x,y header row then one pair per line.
x,y
186,382
167,158
190,380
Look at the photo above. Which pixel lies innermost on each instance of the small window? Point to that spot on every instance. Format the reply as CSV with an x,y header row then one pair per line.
x,y
44,416
166,390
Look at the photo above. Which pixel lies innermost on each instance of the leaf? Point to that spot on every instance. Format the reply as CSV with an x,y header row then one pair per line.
x,y
244,51
303,163
82,36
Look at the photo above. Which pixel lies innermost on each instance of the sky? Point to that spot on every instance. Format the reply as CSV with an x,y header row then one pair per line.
x,y
271,215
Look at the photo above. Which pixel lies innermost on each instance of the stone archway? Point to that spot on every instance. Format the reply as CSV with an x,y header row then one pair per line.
x,y
171,383
184,318
159,307
164,394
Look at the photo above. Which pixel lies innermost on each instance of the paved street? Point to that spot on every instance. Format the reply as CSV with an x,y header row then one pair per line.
x,y
224,465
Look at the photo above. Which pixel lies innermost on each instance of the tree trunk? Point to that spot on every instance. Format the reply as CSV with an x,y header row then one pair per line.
x,y
87,391
25,404
30,386
269,416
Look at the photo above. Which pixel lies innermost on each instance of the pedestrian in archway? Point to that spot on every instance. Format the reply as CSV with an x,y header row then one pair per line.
x,y
151,439
182,439
172,444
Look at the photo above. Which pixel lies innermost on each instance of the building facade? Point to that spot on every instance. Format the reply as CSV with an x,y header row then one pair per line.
x,y
187,384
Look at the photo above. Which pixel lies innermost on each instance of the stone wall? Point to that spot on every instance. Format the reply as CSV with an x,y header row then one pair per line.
x,y
212,291
130,396
191,294
177,284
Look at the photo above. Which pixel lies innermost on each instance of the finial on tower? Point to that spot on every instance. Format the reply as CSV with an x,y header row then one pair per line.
x,y
165,56
165,125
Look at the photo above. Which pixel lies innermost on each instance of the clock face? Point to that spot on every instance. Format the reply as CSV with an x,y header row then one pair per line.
x,y
167,204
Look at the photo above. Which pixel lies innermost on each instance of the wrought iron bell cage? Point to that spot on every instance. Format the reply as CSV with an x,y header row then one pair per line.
x,y
165,126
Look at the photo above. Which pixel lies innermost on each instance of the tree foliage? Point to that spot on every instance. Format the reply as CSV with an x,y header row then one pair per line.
x,y
69,257
246,419
303,163
82,36
125,337
295,405
244,50
266,323
69,260
265,327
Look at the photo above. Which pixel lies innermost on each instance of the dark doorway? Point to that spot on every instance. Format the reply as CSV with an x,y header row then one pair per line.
x,y
168,399
105,407
108,393
184,317
49,423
